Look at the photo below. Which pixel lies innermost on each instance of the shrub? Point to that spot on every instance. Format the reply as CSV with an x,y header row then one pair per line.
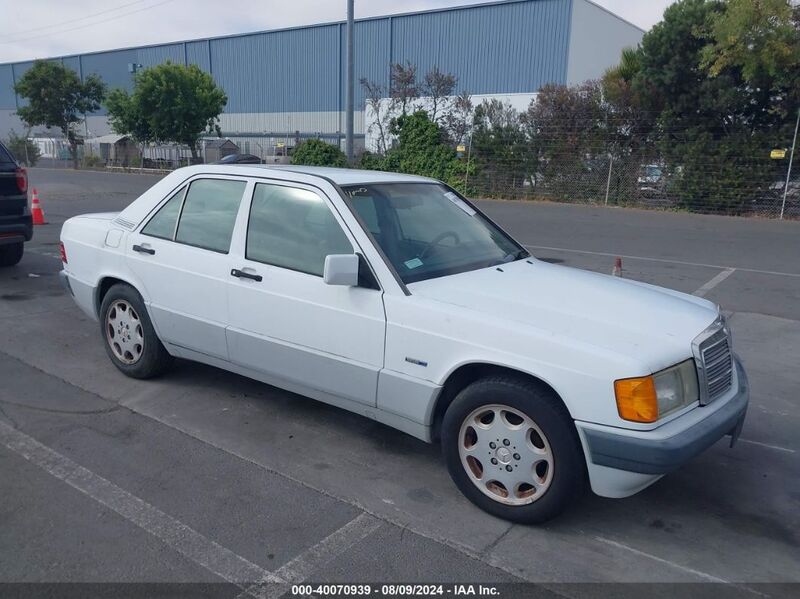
x,y
23,149
421,150
315,152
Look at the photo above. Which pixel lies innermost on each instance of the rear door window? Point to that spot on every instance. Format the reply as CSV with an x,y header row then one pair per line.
x,y
209,214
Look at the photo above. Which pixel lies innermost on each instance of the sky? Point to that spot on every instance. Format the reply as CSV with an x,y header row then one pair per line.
x,y
42,28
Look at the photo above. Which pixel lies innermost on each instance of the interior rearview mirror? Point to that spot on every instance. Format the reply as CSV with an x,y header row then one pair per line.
x,y
341,269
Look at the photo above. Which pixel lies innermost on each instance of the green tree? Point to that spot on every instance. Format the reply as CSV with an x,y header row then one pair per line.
x,y
23,149
58,98
421,150
717,115
316,152
499,149
631,136
126,118
568,134
170,102
760,37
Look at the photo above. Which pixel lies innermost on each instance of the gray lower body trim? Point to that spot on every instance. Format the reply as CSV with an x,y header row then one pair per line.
x,y
311,369
405,425
661,456
408,397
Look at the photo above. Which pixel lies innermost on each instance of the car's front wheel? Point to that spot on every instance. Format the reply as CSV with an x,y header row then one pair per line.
x,y
130,339
11,253
512,449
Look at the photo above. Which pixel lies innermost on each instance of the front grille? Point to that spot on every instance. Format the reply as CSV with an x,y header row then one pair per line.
x,y
715,366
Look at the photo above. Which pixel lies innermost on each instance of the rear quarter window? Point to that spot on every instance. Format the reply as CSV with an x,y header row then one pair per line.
x,y
5,155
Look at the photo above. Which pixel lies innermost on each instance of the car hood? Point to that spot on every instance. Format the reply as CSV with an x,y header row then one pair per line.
x,y
653,325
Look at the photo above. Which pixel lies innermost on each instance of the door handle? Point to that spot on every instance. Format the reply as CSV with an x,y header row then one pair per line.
x,y
246,275
143,250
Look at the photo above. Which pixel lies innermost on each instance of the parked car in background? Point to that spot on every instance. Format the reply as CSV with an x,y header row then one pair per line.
x,y
239,159
393,296
771,201
651,179
16,225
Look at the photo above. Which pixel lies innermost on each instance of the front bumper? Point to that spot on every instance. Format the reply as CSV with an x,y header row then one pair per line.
x,y
658,456
16,228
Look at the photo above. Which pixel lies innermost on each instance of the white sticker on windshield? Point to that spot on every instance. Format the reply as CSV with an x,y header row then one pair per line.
x,y
460,203
413,263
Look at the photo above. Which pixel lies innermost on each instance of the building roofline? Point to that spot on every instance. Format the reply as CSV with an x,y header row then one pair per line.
x,y
299,27
613,14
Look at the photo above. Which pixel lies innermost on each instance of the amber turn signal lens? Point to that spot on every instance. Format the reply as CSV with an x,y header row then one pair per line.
x,y
636,399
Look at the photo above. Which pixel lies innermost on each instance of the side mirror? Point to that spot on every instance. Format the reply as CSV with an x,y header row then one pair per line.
x,y
341,269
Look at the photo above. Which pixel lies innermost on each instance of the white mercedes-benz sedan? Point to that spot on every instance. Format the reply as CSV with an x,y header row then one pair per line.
x,y
395,297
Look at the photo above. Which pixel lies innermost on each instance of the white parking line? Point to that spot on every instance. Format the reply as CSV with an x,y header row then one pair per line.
x,y
703,291
188,542
692,571
300,568
662,260
768,446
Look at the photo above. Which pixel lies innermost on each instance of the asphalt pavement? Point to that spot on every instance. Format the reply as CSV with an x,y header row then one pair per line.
x,y
205,476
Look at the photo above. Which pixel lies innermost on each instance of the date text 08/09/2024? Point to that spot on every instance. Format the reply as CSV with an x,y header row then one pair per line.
x,y
395,590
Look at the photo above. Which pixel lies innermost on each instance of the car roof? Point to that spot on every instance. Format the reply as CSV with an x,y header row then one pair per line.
x,y
144,204
340,176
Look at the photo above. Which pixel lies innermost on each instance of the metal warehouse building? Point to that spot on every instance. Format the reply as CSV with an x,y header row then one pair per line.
x,y
287,82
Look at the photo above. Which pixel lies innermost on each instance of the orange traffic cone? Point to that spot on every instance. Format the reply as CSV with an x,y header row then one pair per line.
x,y
36,210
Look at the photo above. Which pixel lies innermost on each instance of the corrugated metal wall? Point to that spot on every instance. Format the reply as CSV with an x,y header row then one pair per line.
x,y
507,47
503,47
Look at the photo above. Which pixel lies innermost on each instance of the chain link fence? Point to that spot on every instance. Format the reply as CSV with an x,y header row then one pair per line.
x,y
562,167
703,178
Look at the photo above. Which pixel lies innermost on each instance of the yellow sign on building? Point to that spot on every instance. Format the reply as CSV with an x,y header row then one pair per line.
x,y
777,154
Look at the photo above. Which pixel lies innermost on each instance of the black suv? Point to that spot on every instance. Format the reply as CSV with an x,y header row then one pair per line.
x,y
16,225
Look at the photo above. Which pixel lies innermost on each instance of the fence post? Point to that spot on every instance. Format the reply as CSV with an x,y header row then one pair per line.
x,y
789,170
608,182
466,171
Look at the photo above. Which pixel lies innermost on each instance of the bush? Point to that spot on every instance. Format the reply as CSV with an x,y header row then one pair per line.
x,y
315,152
370,162
90,160
23,149
421,150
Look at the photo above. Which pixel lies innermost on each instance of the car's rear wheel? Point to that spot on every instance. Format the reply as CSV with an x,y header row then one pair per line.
x,y
130,339
512,449
11,254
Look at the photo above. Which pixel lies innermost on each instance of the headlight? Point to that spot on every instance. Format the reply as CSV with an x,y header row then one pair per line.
x,y
646,399
676,387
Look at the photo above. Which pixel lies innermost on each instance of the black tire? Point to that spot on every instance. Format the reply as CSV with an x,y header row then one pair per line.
x,y
545,409
154,359
11,254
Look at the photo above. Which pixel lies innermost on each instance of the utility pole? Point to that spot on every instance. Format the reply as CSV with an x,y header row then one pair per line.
x,y
791,159
349,85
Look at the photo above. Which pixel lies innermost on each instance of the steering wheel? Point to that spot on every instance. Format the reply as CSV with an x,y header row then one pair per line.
x,y
438,239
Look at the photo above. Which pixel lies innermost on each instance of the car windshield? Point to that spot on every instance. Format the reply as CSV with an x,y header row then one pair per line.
x,y
653,171
427,231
